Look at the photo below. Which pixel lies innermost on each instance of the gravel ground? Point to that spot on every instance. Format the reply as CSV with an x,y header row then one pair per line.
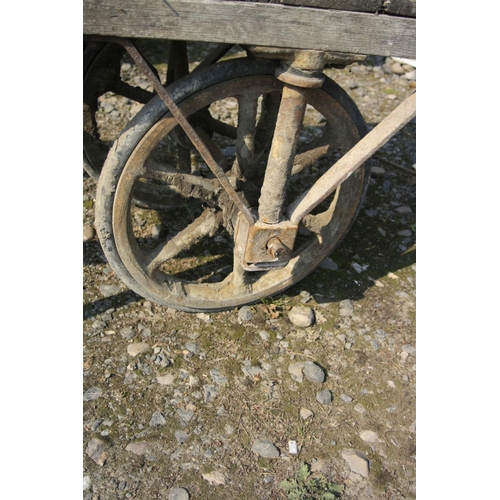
x,y
202,406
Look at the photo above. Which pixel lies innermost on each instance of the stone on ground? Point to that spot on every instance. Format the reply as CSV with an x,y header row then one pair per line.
x,y
357,461
137,348
324,397
265,449
313,372
96,451
301,316
138,448
178,494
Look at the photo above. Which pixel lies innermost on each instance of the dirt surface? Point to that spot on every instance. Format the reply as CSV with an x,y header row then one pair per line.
x,y
187,411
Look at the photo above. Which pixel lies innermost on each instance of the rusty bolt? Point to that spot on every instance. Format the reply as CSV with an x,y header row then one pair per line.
x,y
278,250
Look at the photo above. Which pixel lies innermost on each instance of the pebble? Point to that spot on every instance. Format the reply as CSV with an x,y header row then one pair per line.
x,y
157,420
405,232
397,68
313,372
88,233
324,397
301,316
92,394
409,349
167,379
264,335
138,448
96,451
217,377
210,392
203,316
329,264
296,371
193,348
360,409
127,333
345,398
377,171
181,436
185,415
137,348
178,494
369,436
245,314
156,231
411,75
110,290
253,371
215,478
265,449
357,461
87,482
359,268
305,413
346,308
404,210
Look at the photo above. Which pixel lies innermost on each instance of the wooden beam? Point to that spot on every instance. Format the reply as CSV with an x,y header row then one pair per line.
x,y
406,8
252,23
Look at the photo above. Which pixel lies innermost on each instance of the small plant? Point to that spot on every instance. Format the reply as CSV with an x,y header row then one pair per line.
x,y
304,487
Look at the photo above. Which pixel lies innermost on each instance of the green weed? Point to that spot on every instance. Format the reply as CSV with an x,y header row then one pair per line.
x,y
304,487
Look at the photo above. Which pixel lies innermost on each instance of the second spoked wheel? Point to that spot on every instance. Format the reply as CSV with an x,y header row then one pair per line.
x,y
184,256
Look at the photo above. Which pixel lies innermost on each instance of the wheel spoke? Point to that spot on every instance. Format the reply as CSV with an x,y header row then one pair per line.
x,y
247,114
205,225
130,92
317,149
187,184
224,129
265,128
306,159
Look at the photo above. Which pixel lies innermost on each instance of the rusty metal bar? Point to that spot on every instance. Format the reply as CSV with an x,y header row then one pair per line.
x,y
284,145
186,126
353,159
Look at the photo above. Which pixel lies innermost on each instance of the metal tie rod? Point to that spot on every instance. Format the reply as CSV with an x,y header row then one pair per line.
x,y
186,126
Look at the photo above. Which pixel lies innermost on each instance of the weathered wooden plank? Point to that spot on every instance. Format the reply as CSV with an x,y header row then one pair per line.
x,y
407,8
252,23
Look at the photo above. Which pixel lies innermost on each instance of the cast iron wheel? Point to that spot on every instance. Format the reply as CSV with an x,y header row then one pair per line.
x,y
183,257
